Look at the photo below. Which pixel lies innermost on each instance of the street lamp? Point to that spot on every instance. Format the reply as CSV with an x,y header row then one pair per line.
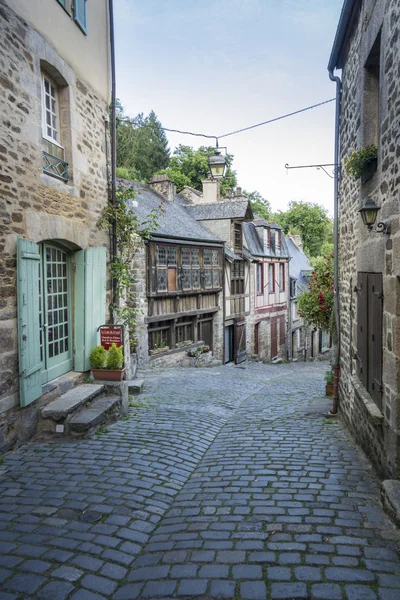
x,y
369,213
217,164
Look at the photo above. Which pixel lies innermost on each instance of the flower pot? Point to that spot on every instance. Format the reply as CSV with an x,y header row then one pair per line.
x,y
108,374
329,390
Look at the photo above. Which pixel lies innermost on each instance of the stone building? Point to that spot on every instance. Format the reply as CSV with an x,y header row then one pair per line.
x,y
267,321
179,278
54,91
367,51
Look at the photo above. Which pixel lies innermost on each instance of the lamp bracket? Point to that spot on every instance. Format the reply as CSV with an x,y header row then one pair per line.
x,y
383,227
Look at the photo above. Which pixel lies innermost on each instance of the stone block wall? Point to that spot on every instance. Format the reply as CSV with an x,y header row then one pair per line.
x,y
364,251
34,205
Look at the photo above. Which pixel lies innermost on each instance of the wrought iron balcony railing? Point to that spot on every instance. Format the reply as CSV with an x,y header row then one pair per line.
x,y
52,165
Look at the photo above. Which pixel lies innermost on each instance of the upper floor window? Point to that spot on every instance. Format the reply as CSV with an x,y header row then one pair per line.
x,y
77,10
50,110
237,278
260,282
293,288
271,278
281,277
238,237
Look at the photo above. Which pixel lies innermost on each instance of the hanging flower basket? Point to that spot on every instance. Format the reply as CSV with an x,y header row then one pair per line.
x,y
362,163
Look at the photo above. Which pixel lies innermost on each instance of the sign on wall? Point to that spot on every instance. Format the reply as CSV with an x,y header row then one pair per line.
x,y
110,334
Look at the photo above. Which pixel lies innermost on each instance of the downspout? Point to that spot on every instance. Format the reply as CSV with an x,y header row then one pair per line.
x,y
113,154
336,366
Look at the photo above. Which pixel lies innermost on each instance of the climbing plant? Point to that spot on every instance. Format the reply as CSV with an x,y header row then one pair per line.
x,y
131,234
315,304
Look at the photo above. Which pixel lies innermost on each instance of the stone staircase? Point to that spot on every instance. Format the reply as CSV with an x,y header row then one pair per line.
x,y
82,410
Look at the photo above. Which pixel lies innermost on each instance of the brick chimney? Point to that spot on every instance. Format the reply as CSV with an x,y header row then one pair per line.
x,y
163,186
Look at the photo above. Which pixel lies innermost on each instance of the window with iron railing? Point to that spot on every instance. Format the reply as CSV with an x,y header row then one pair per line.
x,y
53,151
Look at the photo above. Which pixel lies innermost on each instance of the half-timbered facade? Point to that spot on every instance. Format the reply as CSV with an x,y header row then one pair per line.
x,y
226,217
179,276
269,277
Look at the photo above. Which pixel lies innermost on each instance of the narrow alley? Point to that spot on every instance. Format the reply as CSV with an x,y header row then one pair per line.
x,y
221,483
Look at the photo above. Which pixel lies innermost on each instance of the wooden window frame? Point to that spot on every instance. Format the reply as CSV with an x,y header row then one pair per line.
x,y
271,289
45,135
238,278
260,279
282,282
238,237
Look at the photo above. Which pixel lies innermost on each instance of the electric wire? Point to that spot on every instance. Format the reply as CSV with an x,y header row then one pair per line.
x,y
218,137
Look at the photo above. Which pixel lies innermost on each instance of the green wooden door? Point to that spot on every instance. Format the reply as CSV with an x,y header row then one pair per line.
x,y
30,365
55,312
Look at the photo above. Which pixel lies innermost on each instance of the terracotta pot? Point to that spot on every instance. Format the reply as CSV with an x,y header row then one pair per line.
x,y
108,374
329,390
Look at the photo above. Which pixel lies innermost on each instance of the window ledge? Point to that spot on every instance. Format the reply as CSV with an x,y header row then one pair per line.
x,y
373,411
50,181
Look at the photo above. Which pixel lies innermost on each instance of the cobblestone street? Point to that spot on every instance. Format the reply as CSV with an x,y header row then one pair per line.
x,y
221,483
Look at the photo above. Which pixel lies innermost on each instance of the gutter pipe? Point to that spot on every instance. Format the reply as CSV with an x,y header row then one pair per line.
x,y
336,367
113,151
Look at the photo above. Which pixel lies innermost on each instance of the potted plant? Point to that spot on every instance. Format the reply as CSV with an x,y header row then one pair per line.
x,y
132,345
158,347
363,163
205,349
329,379
107,366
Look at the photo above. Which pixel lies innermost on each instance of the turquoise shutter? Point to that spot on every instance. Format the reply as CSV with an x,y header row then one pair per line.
x,y
90,302
80,14
30,366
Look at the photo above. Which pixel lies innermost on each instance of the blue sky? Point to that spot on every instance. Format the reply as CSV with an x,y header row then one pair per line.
x,y
214,66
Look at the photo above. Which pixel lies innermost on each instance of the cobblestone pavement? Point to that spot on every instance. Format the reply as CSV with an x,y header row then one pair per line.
x,y
221,483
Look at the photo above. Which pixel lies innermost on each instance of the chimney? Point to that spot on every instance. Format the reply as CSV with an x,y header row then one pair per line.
x,y
297,240
163,186
210,191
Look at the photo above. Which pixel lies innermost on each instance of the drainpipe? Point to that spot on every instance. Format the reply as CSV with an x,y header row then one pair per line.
x,y
113,150
336,366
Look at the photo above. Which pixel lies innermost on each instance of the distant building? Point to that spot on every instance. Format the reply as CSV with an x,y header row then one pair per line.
x,y
55,92
266,244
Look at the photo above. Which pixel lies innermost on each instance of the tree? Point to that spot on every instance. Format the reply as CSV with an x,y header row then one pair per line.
x,y
315,305
311,221
260,205
142,146
190,167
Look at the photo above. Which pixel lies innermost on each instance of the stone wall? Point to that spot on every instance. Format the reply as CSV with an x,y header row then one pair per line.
x,y
364,251
34,205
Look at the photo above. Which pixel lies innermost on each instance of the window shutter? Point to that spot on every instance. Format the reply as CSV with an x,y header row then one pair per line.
x,y
375,306
90,302
282,330
362,328
30,366
80,14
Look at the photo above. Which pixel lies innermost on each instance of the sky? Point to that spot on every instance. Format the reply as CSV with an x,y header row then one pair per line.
x,y
215,66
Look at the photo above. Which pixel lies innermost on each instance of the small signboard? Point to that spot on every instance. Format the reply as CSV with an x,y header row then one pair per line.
x,y
110,334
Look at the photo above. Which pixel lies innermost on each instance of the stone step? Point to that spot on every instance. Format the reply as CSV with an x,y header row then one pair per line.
x,y
135,386
97,414
60,408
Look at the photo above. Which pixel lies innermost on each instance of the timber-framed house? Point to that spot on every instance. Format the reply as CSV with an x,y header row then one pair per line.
x,y
179,278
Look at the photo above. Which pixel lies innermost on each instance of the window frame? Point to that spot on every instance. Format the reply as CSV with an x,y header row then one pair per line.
x,y
260,278
238,273
44,77
238,233
282,282
82,25
271,268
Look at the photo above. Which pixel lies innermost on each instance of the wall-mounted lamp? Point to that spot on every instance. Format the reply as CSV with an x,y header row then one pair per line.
x,y
369,213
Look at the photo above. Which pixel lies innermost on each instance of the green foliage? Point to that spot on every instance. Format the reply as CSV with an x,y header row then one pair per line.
x,y
259,205
131,235
115,357
359,159
315,305
190,167
98,357
311,221
329,377
142,146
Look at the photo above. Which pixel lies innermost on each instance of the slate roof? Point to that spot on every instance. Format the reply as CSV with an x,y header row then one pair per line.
x,y
299,265
255,246
237,209
175,221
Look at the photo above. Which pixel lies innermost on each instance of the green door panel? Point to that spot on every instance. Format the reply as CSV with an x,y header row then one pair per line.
x,y
30,365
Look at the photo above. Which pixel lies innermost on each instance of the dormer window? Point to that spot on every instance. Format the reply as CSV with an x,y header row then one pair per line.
x,y
238,237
